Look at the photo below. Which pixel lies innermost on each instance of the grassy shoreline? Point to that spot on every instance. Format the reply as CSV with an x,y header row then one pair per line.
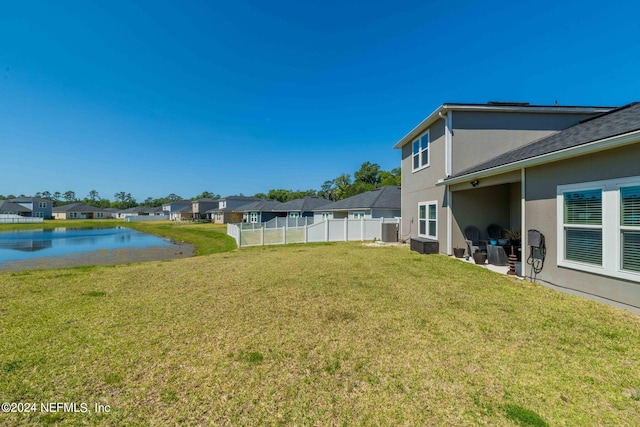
x,y
207,238
331,334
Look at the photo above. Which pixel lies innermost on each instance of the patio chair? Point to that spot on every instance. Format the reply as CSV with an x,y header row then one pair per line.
x,y
494,232
497,233
472,237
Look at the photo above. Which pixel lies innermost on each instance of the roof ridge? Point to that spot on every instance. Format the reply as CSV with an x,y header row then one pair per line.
x,y
588,119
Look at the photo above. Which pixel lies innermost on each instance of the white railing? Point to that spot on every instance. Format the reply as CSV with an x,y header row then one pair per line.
x,y
279,222
17,219
333,230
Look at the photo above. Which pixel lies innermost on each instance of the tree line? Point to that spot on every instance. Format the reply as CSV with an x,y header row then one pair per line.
x,y
368,177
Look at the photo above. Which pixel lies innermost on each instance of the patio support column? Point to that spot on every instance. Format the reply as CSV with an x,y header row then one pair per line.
x,y
523,228
449,242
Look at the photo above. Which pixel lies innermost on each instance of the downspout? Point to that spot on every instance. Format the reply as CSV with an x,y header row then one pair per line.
x,y
523,234
447,171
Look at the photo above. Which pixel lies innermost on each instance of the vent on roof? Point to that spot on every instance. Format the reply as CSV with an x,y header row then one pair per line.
x,y
508,104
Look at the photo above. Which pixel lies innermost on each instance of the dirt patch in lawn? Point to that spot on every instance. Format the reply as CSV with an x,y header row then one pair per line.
x,y
103,257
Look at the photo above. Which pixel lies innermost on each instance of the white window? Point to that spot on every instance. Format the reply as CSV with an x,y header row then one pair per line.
x,y
294,214
42,204
420,152
428,220
253,217
325,216
99,215
630,228
39,214
73,214
583,226
358,215
599,227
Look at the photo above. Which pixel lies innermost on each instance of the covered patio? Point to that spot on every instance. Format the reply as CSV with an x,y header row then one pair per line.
x,y
487,217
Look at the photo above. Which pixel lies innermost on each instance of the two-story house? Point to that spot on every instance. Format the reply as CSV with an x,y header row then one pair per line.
x,y
200,207
224,212
570,173
40,208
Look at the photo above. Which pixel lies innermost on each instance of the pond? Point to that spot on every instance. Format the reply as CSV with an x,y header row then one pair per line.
x,y
69,246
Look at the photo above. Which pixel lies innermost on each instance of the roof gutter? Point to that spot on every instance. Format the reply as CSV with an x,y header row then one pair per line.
x,y
567,153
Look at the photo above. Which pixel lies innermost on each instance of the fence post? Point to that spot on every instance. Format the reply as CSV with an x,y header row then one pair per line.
x,y
362,228
284,235
346,229
262,236
326,230
239,235
306,233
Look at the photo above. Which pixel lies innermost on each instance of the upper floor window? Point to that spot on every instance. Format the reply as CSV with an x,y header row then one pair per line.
x,y
42,204
420,152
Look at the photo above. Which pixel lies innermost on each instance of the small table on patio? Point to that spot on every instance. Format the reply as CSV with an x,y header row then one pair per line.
x,y
496,255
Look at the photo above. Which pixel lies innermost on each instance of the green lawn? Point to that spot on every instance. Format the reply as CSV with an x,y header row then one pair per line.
x,y
322,334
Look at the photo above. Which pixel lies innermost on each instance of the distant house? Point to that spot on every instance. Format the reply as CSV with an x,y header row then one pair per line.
x,y
176,209
303,207
140,210
113,212
260,211
11,208
383,202
200,207
39,207
181,213
80,211
224,213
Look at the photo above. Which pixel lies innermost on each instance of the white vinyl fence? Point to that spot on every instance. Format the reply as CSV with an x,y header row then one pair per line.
x,y
17,219
332,230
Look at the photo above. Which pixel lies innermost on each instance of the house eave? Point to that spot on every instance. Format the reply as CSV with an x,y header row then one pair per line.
x,y
444,108
567,153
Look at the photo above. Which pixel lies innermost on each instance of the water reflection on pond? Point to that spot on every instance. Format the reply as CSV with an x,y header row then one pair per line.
x,y
36,243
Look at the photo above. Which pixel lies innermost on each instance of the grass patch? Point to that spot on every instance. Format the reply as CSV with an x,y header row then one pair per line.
x,y
524,417
326,334
95,294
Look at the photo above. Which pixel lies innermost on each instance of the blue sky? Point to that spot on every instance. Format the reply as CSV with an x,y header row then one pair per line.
x,y
157,97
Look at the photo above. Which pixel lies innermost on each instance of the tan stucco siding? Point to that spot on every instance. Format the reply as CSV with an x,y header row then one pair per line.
x,y
541,214
479,136
420,186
